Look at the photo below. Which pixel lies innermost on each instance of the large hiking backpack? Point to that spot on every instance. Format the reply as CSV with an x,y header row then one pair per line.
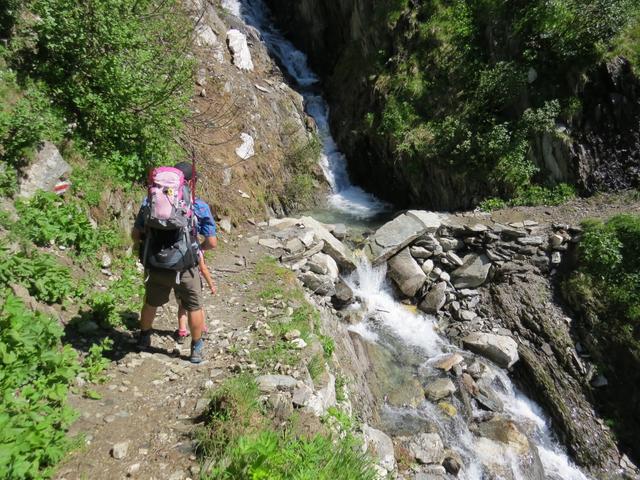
x,y
171,241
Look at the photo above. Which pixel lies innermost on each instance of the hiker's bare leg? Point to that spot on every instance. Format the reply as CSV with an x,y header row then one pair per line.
x,y
196,320
147,315
182,318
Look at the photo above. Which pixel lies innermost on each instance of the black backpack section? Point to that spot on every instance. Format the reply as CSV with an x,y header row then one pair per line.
x,y
171,249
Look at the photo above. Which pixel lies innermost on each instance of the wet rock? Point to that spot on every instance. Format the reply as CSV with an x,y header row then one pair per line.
x,y
400,232
505,431
427,448
435,298
239,49
472,273
452,462
438,389
406,273
340,231
502,350
272,383
380,446
343,296
318,284
119,450
448,409
44,172
447,362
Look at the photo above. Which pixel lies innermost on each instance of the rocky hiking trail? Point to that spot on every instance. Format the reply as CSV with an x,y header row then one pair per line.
x,y
150,405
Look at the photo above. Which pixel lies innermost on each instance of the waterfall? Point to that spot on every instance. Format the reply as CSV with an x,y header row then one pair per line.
x,y
345,197
386,320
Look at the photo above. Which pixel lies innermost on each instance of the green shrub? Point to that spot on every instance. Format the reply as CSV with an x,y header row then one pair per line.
x,y
40,273
35,372
49,219
95,363
120,69
328,345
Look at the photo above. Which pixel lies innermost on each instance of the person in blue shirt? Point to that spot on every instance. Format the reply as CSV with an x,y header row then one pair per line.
x,y
187,284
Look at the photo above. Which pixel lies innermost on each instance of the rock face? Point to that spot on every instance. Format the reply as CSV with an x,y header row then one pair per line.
x,y
380,446
406,272
503,351
239,49
44,172
472,273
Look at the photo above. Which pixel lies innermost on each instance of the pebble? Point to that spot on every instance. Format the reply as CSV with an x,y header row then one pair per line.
x,y
119,450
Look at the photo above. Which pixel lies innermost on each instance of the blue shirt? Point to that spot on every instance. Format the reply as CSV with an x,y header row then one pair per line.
x,y
206,223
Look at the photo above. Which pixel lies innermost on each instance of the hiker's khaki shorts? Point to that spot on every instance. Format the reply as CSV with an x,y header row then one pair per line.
x,y
188,291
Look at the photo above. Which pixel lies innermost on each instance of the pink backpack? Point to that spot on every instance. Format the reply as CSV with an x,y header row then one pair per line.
x,y
169,200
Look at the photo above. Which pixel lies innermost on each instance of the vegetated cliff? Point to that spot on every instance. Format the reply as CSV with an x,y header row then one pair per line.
x,y
443,105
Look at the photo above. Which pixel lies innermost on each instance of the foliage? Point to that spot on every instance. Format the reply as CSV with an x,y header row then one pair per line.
x,y
628,41
40,273
121,299
328,345
301,161
34,378
471,86
95,362
239,442
342,418
534,195
118,68
315,367
48,219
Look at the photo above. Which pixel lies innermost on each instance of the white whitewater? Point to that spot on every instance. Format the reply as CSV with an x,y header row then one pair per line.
x,y
345,197
414,329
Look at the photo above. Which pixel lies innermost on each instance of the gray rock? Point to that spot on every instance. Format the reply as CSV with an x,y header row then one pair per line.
x,y
502,350
555,240
531,241
454,259
449,244
435,299
272,383
466,315
318,284
427,448
332,246
400,232
509,232
225,225
106,261
472,273
406,273
420,252
119,450
556,258
44,172
271,243
343,296
427,266
294,246
298,343
323,264
439,389
380,446
340,231
301,395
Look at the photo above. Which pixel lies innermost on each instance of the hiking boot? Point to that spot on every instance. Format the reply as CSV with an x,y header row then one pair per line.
x,y
181,336
144,340
197,349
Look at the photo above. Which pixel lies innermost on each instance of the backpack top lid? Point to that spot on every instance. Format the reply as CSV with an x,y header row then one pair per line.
x,y
166,177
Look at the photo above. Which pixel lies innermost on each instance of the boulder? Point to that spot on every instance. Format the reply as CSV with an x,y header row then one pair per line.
x,y
427,448
435,299
273,383
447,362
505,431
239,49
406,273
294,246
225,224
439,389
380,447
340,231
395,235
205,36
472,273
343,295
420,252
44,172
245,150
332,246
323,264
502,350
318,284
271,243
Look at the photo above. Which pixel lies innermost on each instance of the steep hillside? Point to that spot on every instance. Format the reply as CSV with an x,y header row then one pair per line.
x,y
444,104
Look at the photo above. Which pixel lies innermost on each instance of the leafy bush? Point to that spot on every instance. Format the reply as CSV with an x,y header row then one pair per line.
x,y
95,362
40,273
34,377
48,218
533,195
119,69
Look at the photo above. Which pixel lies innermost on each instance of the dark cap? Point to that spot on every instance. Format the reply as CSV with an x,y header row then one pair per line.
x,y
185,168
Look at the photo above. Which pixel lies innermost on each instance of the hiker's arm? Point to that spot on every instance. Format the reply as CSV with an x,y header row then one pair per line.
x,y
206,225
207,274
209,243
138,226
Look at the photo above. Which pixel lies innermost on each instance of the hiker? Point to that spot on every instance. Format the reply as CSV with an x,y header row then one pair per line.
x,y
170,251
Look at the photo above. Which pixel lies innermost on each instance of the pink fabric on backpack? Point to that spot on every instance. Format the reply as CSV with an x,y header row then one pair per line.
x,y
165,191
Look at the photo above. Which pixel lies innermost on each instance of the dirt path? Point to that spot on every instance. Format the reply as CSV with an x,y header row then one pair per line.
x,y
152,401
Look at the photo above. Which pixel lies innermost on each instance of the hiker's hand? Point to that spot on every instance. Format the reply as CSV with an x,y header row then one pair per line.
x,y
213,288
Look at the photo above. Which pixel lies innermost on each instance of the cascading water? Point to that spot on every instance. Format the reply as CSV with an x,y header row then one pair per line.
x,y
345,197
387,322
